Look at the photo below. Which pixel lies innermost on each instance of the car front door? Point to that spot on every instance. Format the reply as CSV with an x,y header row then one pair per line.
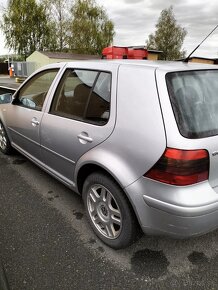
x,y
78,119
25,114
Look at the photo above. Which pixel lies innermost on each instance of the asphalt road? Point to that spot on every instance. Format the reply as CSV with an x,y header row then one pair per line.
x,y
46,243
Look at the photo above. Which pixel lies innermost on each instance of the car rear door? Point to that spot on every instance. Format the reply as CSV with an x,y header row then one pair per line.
x,y
80,117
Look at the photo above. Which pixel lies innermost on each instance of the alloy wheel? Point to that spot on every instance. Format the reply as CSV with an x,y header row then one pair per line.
x,y
104,211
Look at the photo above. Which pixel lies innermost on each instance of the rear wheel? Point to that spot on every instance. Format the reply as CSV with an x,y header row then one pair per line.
x,y
5,146
109,211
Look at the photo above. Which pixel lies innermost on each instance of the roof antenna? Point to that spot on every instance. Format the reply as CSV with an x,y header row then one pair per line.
x,y
187,58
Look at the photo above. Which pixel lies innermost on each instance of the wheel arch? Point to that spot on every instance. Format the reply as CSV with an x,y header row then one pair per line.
x,y
90,168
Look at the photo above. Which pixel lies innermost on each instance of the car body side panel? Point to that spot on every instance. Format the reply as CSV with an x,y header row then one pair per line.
x,y
23,133
3,116
61,147
138,139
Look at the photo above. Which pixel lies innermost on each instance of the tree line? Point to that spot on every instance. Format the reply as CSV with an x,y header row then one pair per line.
x,y
81,26
56,25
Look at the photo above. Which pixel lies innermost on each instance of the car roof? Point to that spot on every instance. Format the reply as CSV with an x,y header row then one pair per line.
x,y
160,65
165,65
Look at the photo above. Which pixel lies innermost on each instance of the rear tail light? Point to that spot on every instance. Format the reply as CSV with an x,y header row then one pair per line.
x,y
181,167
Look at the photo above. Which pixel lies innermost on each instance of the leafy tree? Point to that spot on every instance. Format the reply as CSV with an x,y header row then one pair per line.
x,y
59,21
168,37
91,30
25,27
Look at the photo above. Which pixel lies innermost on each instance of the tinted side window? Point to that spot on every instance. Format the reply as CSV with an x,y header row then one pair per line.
x,y
83,95
33,93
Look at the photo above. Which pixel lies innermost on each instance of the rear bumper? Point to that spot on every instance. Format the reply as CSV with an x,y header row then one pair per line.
x,y
180,227
175,211
184,211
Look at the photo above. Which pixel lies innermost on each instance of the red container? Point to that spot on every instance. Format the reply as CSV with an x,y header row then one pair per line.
x,y
137,54
115,52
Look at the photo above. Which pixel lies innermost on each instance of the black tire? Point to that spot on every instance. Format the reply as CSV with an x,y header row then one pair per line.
x,y
111,215
5,145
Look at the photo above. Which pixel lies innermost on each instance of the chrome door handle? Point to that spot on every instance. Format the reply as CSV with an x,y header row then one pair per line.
x,y
34,122
84,138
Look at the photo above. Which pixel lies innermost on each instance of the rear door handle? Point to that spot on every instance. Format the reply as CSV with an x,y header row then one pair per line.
x,y
34,122
84,138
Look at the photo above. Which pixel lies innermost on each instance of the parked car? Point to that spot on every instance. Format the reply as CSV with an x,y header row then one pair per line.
x,y
7,96
137,139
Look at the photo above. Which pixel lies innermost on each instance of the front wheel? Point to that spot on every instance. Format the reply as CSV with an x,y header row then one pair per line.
x,y
5,146
109,211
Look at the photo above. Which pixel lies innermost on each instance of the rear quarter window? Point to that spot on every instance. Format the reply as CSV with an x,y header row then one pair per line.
x,y
194,99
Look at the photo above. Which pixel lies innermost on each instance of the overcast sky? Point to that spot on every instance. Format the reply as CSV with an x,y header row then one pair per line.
x,y
135,19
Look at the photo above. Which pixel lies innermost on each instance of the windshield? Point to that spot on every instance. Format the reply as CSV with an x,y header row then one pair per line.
x,y
194,98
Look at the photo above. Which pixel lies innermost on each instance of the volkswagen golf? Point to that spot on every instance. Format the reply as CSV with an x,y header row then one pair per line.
x,y
138,140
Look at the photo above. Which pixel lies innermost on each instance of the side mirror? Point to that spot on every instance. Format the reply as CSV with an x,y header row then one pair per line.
x,y
6,98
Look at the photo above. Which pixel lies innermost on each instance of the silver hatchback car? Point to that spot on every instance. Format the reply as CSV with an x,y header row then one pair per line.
x,y
137,139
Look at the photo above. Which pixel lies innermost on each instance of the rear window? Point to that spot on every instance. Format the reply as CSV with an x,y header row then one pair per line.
x,y
194,98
